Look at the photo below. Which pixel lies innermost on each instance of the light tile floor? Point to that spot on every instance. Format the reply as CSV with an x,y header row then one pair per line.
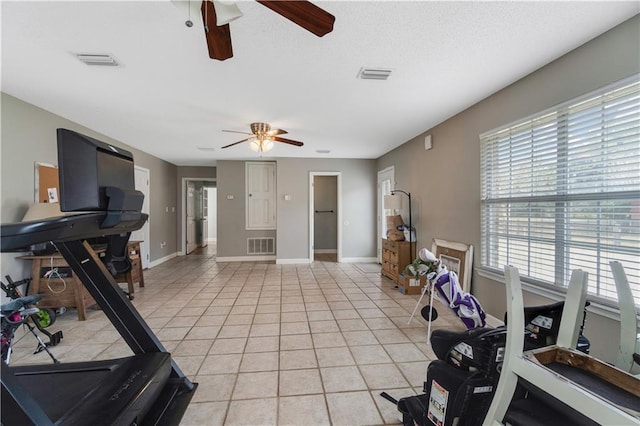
x,y
272,344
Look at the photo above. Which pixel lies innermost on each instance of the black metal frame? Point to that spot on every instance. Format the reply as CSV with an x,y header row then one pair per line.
x,y
68,234
112,300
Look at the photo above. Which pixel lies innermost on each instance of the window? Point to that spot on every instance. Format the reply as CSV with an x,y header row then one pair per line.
x,y
561,191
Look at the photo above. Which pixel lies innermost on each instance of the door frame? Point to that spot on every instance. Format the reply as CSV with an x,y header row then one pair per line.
x,y
312,176
145,249
183,213
384,174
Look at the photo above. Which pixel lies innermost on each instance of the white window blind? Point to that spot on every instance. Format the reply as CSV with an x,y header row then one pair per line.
x,y
561,191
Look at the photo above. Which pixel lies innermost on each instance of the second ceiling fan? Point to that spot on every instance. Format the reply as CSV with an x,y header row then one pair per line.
x,y
262,137
301,12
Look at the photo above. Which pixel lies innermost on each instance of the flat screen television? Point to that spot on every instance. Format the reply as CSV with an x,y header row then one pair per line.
x,y
86,167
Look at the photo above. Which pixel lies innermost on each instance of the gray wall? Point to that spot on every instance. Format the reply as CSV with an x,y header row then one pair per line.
x,y
359,180
231,229
29,135
292,236
444,181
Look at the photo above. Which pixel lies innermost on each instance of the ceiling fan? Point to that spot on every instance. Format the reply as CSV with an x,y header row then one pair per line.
x,y
301,12
262,137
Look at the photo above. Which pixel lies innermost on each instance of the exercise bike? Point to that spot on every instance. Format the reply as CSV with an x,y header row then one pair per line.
x,y
44,318
17,313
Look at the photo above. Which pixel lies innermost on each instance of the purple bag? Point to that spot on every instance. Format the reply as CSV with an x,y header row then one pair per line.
x,y
465,305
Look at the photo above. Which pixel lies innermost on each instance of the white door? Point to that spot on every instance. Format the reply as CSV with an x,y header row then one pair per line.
x,y
386,180
261,195
204,226
191,218
142,234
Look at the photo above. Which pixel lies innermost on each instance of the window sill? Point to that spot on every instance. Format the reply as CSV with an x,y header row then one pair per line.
x,y
555,295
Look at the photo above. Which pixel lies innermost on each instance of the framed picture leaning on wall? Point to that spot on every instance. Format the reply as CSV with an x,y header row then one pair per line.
x,y
457,257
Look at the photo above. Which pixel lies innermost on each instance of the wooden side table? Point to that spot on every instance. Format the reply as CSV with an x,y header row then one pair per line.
x,y
134,275
67,290
63,291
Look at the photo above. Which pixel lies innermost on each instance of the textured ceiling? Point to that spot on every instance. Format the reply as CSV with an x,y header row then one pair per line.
x,y
168,98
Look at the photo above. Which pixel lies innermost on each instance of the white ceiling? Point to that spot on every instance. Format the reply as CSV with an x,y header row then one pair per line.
x,y
168,98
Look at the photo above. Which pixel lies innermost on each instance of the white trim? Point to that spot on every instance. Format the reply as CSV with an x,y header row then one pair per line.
x,y
493,321
359,260
391,172
245,258
312,176
292,261
183,214
146,263
325,251
163,259
557,296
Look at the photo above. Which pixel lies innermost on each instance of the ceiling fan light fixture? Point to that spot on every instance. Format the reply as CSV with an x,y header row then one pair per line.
x,y
254,145
267,145
226,11
260,144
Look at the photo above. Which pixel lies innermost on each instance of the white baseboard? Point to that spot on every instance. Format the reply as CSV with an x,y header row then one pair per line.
x,y
292,261
493,321
162,260
325,251
358,260
245,258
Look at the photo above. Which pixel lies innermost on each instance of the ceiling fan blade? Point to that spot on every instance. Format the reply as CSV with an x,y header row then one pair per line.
x,y
235,143
289,141
304,13
235,131
218,37
275,132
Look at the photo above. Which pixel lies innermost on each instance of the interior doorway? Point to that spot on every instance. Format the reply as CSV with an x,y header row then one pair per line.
x,y
325,215
386,180
199,213
142,184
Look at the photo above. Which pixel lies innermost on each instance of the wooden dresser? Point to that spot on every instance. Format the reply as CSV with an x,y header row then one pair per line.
x,y
396,255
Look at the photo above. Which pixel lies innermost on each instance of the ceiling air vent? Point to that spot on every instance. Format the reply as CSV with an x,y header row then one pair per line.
x,y
374,73
97,59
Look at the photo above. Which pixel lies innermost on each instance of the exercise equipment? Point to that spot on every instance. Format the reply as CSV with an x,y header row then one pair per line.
x,y
148,388
15,314
460,384
163,391
45,317
628,358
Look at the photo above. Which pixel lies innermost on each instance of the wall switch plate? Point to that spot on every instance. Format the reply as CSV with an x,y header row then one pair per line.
x,y
230,197
427,143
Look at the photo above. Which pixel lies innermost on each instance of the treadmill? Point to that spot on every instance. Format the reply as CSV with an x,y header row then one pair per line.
x,y
147,388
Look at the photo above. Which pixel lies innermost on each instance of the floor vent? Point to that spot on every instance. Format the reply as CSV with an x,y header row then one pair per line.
x,y
261,245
